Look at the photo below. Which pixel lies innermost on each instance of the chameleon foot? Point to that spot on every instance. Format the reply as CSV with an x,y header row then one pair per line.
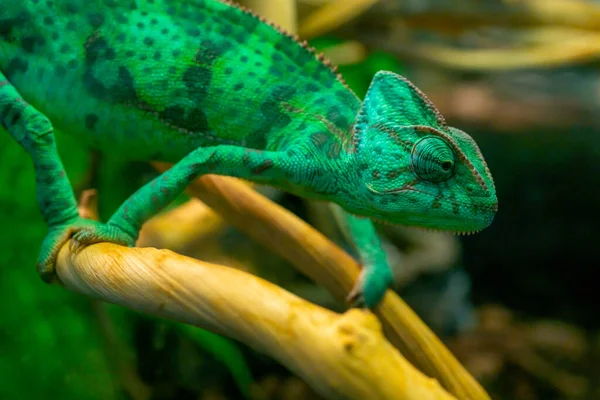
x,y
54,240
370,287
100,233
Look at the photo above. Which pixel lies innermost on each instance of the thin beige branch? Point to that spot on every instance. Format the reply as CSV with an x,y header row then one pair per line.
x,y
332,15
342,356
573,47
332,268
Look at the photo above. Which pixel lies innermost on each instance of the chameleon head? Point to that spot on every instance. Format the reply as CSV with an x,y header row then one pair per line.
x,y
415,169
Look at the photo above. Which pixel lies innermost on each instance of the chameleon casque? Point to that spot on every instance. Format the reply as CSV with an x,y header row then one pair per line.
x,y
213,88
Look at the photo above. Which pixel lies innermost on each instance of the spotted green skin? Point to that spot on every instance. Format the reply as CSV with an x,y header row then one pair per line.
x,y
212,88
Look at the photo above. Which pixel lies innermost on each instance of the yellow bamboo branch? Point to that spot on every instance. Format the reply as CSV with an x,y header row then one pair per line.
x,y
342,356
332,268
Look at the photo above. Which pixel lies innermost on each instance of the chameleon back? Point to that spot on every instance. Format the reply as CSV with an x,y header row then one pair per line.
x,y
162,78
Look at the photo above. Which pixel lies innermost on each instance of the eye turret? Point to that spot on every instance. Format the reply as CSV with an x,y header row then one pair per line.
x,y
433,160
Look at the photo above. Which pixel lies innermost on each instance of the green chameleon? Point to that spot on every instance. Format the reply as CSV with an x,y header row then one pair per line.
x,y
214,88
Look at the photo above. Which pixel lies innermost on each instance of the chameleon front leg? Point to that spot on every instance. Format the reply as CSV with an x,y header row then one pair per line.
x,y
34,132
376,274
124,225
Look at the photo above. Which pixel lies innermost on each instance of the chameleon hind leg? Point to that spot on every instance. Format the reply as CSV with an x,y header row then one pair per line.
x,y
124,225
34,132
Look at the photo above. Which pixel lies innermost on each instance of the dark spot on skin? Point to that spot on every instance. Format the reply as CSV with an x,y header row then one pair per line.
x,y
16,111
274,71
335,116
164,31
71,8
238,86
274,116
71,26
375,175
319,139
455,207
121,19
194,32
334,150
197,81
123,90
267,164
244,59
130,53
48,21
65,48
96,19
228,71
140,25
392,174
16,65
153,21
55,36
28,43
226,29
436,203
157,56
90,121
172,69
72,64
149,41
194,121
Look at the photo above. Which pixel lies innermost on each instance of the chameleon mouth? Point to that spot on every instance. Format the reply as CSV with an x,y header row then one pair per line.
x,y
453,232
460,232
424,228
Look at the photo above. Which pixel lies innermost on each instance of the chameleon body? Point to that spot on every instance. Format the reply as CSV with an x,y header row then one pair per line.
x,y
215,89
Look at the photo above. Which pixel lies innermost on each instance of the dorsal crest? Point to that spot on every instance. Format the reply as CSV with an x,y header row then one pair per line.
x,y
393,99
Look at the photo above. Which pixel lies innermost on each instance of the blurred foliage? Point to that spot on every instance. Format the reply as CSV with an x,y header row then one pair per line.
x,y
49,342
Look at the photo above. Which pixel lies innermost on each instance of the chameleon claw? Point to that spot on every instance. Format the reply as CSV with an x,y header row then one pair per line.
x,y
370,287
75,245
356,298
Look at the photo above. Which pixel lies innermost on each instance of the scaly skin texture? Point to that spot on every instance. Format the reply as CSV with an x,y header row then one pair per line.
x,y
214,89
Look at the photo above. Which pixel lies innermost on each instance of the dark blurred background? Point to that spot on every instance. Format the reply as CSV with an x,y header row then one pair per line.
x,y
517,303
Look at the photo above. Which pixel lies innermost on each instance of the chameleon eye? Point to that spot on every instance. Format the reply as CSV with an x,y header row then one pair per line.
x,y
433,159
